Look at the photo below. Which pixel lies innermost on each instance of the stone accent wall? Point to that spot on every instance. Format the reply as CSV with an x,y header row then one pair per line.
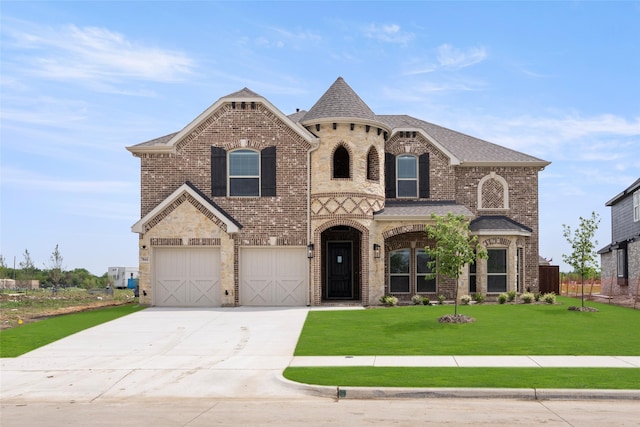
x,y
184,226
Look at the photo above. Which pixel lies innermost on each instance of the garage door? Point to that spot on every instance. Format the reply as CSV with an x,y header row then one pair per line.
x,y
274,276
187,277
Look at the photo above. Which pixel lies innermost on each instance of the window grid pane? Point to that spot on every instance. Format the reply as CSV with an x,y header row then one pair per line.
x,y
244,163
422,269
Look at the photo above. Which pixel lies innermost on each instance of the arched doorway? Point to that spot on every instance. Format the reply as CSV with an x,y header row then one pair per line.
x,y
341,263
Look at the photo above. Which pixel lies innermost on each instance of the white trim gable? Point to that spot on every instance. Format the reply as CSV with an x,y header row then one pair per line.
x,y
232,226
453,160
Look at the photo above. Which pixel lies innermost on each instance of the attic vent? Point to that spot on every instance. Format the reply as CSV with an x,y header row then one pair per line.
x,y
413,134
233,105
317,128
367,127
401,134
335,126
253,105
243,105
352,126
379,131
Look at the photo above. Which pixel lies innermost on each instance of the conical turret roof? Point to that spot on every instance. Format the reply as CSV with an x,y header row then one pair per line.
x,y
339,101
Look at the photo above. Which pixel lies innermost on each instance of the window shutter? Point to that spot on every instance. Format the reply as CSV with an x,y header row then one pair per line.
x,y
390,175
423,168
268,171
218,172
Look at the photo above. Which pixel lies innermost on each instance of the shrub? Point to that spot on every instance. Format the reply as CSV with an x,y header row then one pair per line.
x,y
389,300
511,296
441,299
416,299
549,298
536,296
527,297
465,299
502,298
479,298
426,301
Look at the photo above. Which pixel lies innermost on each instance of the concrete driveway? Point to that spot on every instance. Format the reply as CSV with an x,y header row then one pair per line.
x,y
164,352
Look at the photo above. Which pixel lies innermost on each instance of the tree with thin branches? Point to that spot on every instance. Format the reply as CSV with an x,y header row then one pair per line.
x,y
583,257
454,247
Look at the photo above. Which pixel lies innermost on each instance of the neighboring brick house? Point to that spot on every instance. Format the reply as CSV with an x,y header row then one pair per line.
x,y
620,260
249,206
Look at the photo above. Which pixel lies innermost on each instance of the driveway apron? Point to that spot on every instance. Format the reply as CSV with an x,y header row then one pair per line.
x,y
163,352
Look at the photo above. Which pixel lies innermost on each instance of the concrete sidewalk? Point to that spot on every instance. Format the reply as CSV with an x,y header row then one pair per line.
x,y
471,361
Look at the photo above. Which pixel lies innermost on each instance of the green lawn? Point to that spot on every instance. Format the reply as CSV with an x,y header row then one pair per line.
x,y
510,329
516,329
22,339
572,378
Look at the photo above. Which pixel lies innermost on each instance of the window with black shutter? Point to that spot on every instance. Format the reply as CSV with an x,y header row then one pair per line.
x,y
390,175
423,169
268,172
218,172
244,173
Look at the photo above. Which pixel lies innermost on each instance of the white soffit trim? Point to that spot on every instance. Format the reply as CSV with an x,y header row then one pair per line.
x,y
520,232
184,188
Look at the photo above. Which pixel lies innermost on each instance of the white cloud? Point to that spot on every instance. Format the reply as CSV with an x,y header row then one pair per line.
x,y
389,33
451,57
91,55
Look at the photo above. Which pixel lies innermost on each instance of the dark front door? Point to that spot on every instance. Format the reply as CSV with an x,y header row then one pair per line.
x,y
339,270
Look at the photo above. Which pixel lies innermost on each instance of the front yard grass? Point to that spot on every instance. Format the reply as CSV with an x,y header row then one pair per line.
x,y
510,329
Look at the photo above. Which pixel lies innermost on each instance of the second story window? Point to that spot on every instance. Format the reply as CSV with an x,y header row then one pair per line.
x,y
244,173
341,163
636,206
407,176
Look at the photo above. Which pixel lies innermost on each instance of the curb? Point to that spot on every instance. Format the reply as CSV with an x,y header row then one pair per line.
x,y
382,393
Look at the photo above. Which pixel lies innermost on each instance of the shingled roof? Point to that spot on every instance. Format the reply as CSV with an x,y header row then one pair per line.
x,y
339,101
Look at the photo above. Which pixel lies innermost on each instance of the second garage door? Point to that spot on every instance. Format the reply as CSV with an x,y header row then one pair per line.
x,y
187,277
274,276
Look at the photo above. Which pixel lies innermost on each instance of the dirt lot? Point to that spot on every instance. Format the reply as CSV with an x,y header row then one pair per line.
x,y
33,305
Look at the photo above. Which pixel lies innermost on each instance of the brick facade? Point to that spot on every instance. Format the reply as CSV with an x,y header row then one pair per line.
x,y
313,206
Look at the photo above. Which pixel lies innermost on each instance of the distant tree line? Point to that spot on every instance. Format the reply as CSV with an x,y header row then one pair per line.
x,y
53,274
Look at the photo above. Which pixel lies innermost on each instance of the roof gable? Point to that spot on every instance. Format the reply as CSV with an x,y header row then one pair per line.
x,y
170,142
630,189
187,192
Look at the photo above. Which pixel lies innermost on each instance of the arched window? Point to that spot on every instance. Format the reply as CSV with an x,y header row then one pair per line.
x,y
341,163
373,164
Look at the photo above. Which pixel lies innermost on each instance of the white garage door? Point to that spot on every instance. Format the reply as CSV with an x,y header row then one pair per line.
x,y
274,276
187,277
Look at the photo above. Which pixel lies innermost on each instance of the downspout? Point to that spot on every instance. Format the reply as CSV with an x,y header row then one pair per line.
x,y
309,237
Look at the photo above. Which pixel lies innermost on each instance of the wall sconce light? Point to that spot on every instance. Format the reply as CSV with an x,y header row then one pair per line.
x,y
310,250
376,250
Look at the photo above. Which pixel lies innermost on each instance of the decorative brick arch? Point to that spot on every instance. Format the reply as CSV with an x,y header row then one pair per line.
x,y
403,230
493,192
497,241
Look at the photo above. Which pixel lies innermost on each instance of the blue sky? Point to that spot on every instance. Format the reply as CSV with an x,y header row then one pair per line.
x,y
80,81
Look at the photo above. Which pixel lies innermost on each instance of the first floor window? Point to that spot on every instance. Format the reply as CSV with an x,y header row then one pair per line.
x,y
473,283
497,270
244,173
424,285
399,271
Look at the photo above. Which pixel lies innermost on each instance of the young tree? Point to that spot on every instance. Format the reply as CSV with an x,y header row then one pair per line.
x,y
27,266
453,249
583,258
55,274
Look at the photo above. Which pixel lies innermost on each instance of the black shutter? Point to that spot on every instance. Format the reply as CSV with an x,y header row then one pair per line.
x,y
268,171
218,172
423,169
390,175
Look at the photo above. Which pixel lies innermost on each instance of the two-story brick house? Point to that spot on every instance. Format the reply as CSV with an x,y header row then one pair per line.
x,y
620,260
249,206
